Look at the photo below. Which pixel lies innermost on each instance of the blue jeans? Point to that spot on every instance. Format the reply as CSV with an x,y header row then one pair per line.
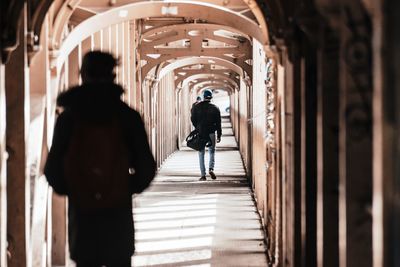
x,y
211,151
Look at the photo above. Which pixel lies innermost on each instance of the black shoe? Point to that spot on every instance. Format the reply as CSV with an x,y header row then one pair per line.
x,y
212,174
202,178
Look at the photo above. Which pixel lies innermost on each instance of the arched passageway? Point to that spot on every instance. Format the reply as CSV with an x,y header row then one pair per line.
x,y
312,90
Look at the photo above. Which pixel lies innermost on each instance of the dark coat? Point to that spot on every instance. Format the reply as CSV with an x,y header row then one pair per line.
x,y
104,236
206,118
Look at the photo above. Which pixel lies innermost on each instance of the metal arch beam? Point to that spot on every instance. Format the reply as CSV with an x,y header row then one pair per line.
x,y
212,13
166,34
210,77
196,34
61,19
194,26
201,60
251,4
239,62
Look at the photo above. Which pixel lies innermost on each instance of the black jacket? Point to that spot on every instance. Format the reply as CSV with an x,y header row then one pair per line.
x,y
106,236
206,118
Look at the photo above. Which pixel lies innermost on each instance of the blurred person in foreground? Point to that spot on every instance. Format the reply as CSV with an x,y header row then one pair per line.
x,y
99,158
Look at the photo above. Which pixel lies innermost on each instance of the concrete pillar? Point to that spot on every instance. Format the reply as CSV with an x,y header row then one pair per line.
x,y
18,182
327,150
57,208
281,94
39,69
355,138
292,186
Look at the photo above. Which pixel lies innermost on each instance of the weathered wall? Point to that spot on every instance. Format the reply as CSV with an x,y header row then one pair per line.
x,y
258,124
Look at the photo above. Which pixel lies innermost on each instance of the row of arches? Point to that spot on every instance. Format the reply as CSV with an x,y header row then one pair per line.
x,y
312,100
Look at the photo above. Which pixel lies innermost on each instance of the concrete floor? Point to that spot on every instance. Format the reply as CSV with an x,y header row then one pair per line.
x,y
181,221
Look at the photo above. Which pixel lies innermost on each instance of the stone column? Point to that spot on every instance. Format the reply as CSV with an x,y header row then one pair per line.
x,y
18,183
327,149
355,138
3,169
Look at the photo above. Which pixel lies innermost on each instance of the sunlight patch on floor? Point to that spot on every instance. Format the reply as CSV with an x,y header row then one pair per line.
x,y
173,233
173,258
172,244
176,223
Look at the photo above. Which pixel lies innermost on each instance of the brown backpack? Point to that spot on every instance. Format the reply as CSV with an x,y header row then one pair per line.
x,y
96,166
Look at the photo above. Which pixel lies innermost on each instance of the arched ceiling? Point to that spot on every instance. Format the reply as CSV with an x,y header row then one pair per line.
x,y
209,77
207,83
197,10
183,74
212,62
228,91
161,44
279,14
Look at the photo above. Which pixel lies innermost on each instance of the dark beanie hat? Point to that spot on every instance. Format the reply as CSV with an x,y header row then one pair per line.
x,y
207,94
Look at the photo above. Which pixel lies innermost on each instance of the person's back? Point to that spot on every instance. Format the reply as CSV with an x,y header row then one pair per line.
x,y
100,233
206,118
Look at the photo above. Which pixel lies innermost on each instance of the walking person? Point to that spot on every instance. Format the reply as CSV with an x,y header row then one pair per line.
x,y
206,118
99,157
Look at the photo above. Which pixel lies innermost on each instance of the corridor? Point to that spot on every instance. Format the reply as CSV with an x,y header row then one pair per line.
x,y
181,221
308,166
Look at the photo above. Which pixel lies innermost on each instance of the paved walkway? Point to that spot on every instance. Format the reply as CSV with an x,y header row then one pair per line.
x,y
181,221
